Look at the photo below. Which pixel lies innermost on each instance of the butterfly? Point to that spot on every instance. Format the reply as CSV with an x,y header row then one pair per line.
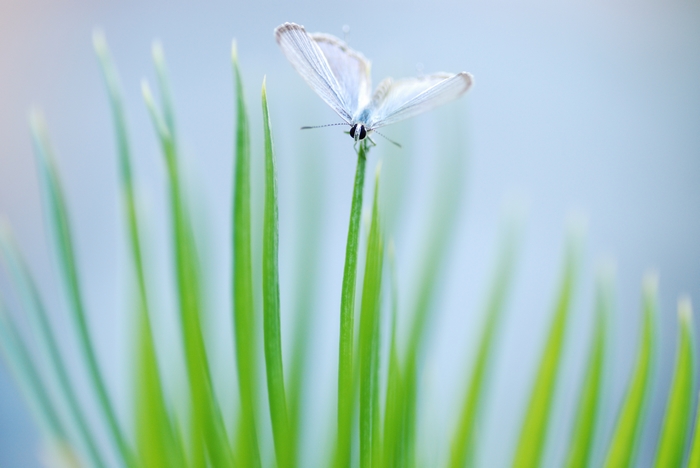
x,y
341,77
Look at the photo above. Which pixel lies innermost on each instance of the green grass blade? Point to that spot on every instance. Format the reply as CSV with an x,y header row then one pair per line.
x,y
156,441
463,440
630,421
243,306
695,448
449,189
150,414
164,86
680,398
206,425
271,304
20,361
534,430
58,220
32,303
369,323
392,399
347,311
589,402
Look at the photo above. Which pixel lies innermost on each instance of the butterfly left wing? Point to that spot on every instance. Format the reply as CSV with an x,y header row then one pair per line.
x,y
398,100
309,61
350,68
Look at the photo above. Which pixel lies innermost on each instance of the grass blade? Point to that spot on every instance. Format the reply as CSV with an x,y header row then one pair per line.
x,y
369,324
582,440
58,220
20,361
347,311
206,427
271,305
243,307
32,303
393,399
463,441
156,441
629,424
680,398
534,431
449,188
695,449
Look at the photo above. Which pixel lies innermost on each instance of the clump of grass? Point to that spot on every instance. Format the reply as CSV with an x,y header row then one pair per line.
x,y
378,396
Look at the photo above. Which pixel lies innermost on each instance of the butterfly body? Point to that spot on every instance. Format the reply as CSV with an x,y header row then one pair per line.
x,y
341,77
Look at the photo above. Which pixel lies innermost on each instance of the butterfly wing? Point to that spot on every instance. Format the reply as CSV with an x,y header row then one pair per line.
x,y
398,100
350,68
338,74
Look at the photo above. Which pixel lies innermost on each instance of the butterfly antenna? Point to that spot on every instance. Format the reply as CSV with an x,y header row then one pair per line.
x,y
320,126
389,139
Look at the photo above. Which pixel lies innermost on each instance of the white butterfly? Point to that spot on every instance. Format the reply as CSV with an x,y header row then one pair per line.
x,y
340,76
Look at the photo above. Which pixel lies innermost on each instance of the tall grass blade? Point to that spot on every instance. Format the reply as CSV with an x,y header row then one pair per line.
x,y
695,448
58,220
630,420
33,304
369,325
243,307
206,425
680,399
156,441
347,311
463,440
534,430
449,187
391,440
271,305
589,401
20,361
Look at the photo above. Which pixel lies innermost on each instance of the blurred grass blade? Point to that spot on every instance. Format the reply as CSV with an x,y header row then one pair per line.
x,y
534,430
156,441
164,86
695,448
589,401
58,220
243,307
20,361
206,424
449,187
680,399
630,420
271,305
463,441
392,401
347,311
32,303
154,438
369,323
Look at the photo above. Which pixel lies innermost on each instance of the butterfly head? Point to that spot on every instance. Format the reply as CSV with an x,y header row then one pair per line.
x,y
358,132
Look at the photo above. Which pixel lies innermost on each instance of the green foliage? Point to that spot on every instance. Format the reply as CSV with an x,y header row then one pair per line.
x,y
680,398
379,392
591,394
534,430
623,446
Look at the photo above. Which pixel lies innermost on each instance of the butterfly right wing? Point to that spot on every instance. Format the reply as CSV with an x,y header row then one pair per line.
x,y
398,100
309,61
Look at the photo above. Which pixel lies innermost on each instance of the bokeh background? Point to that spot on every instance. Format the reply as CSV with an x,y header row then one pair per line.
x,y
583,107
